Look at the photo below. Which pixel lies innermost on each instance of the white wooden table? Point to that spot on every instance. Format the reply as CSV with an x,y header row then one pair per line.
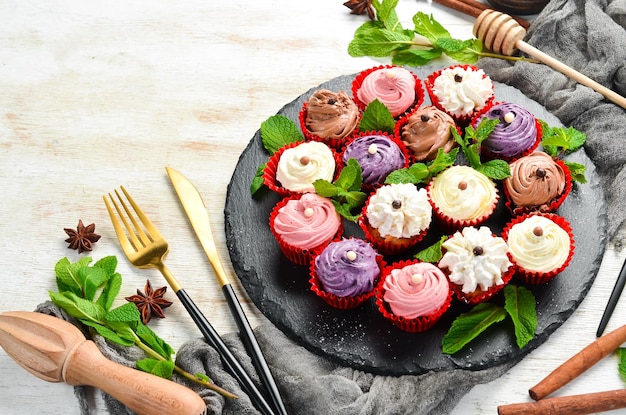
x,y
95,95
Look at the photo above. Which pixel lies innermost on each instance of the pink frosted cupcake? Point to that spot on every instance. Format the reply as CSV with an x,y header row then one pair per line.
x,y
540,246
346,273
329,117
462,196
398,88
414,295
295,167
396,217
538,183
477,264
461,91
303,223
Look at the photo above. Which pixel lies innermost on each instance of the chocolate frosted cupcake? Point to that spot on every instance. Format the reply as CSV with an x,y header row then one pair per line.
x,y
378,154
538,183
346,272
517,134
425,131
329,117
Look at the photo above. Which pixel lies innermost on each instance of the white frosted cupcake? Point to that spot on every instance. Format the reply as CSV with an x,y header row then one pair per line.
x,y
396,217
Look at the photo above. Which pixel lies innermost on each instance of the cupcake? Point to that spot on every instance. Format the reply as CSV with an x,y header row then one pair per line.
x,y
399,89
396,217
517,134
462,196
538,183
378,154
460,90
425,131
414,295
346,272
303,223
295,167
476,263
329,117
540,246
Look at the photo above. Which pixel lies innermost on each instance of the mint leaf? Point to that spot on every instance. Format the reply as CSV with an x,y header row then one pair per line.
x,y
469,51
351,176
433,253
414,57
155,342
78,307
520,303
67,277
108,264
577,171
160,368
325,188
278,131
386,13
258,182
125,313
468,326
558,140
442,161
495,169
377,117
621,368
92,278
428,27
109,334
377,42
414,174
110,291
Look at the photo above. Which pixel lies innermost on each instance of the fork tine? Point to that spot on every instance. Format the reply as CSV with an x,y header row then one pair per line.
x,y
127,246
153,232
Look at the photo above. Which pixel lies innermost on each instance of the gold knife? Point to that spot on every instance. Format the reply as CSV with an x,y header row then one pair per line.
x,y
198,216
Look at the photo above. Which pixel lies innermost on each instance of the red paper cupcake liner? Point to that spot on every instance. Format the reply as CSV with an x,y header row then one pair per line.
x,y
388,245
344,303
413,325
430,83
335,143
398,133
300,256
358,81
269,173
479,295
535,277
552,206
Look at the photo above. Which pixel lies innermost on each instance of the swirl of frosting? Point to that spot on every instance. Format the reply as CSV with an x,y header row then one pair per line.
x,y
377,155
399,210
462,90
538,244
426,131
331,115
475,258
535,180
300,166
307,222
462,193
515,133
394,87
347,268
416,290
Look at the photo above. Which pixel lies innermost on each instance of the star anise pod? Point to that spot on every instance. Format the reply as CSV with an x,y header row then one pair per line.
x,y
151,303
361,7
82,238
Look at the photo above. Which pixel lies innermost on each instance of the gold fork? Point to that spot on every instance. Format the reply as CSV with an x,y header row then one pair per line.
x,y
145,247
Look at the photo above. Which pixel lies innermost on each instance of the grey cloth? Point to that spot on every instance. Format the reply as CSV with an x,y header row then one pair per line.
x,y
586,35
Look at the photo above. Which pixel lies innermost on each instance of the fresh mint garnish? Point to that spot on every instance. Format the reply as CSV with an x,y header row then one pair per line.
x,y
433,253
519,303
470,145
345,193
418,173
377,117
559,141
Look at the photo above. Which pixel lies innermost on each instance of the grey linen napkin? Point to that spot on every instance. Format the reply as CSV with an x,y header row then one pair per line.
x,y
586,35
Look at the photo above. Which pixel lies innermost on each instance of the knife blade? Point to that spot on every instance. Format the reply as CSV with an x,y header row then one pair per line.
x,y
198,216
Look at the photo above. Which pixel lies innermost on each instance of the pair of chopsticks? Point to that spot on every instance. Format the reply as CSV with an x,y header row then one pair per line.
x,y
575,404
474,8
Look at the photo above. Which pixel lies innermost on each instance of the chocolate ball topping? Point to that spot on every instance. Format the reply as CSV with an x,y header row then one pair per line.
x,y
304,160
462,185
538,231
332,101
396,204
458,78
478,250
425,117
540,173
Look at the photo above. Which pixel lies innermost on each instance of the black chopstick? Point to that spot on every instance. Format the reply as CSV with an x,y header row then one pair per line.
x,y
613,299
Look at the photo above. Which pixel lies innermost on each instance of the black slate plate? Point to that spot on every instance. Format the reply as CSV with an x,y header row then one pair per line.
x,y
362,338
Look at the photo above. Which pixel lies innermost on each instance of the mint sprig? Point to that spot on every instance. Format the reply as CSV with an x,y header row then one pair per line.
x,y
87,293
377,117
418,173
470,145
560,141
345,193
432,253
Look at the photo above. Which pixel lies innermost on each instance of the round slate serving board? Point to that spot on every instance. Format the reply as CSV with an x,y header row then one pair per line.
x,y
362,338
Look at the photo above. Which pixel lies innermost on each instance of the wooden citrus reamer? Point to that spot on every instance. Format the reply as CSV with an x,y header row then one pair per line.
x,y
54,350
502,34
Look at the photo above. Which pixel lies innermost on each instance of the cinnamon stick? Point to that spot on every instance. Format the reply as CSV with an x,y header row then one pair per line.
x,y
579,363
474,8
588,403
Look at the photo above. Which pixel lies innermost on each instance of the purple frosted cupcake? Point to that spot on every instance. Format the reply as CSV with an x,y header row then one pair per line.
x,y
378,154
517,134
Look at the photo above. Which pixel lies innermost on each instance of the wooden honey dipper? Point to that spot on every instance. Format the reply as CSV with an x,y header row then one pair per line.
x,y
502,34
54,350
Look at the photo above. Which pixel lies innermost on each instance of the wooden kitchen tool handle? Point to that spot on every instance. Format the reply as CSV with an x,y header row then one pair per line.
x,y
142,392
569,405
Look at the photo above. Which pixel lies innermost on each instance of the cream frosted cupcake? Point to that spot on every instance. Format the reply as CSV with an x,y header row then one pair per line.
x,y
396,217
295,167
460,90
329,117
414,295
541,246
303,223
461,196
477,264
398,88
